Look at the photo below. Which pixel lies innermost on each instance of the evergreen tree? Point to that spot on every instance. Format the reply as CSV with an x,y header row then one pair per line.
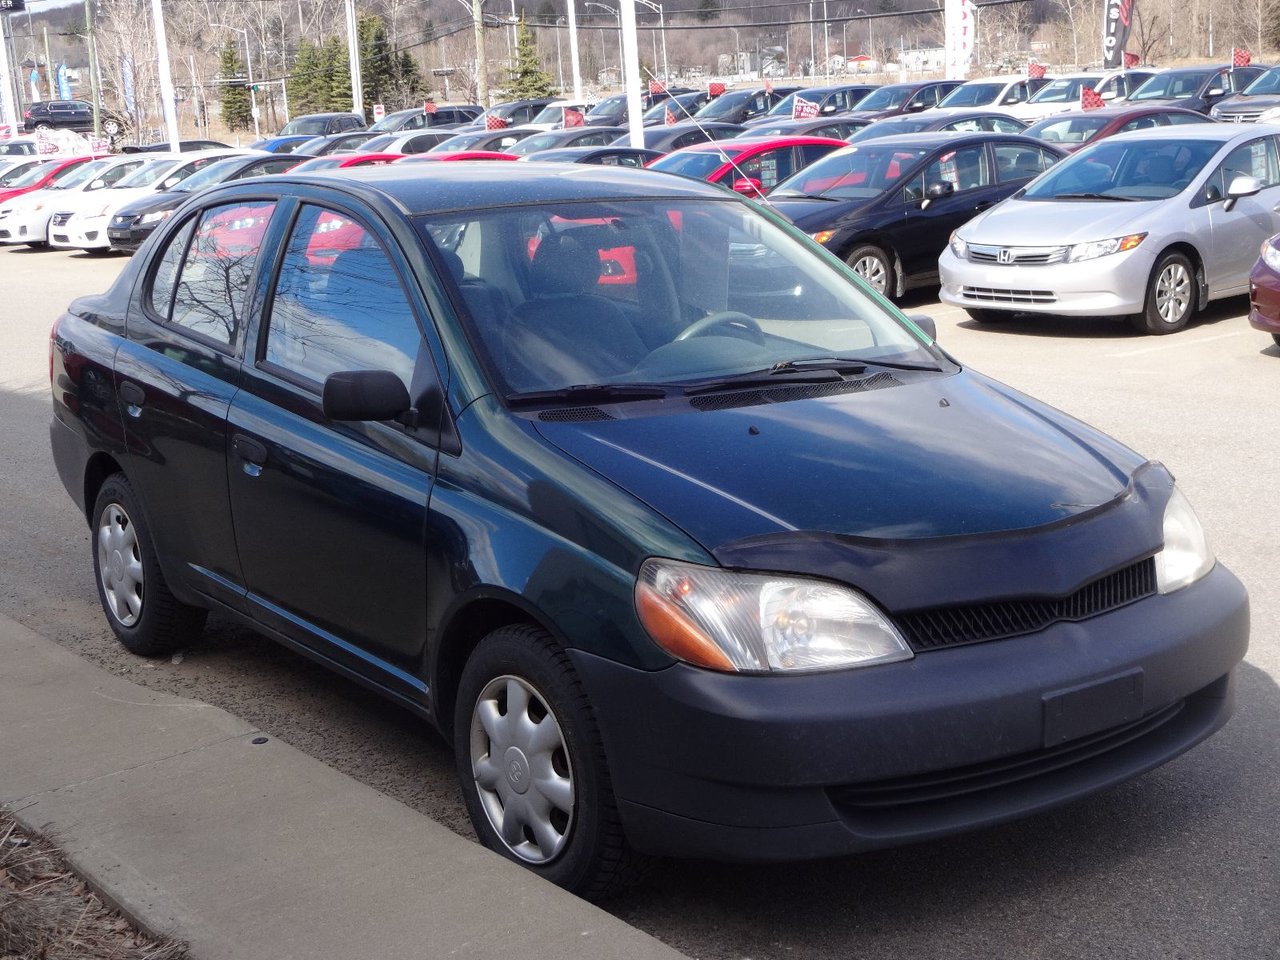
x,y
708,10
378,66
334,88
304,93
237,113
528,79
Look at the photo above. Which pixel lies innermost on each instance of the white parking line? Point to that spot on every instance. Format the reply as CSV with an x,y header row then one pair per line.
x,y
1180,342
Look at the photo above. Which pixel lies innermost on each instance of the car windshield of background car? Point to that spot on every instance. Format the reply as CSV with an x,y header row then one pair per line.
x,y
1064,90
214,173
1171,86
79,175
891,128
304,127
854,173
972,95
1269,82
724,105
26,175
886,98
609,106
662,291
696,164
552,114
148,174
1113,169
1067,129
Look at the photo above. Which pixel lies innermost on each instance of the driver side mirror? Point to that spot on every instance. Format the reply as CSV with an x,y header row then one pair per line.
x,y
97,184
1216,92
925,323
937,191
748,187
172,181
1241,187
916,105
364,395
1011,98
1108,95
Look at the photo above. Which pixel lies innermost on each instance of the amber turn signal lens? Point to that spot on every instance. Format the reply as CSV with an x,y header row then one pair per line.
x,y
675,634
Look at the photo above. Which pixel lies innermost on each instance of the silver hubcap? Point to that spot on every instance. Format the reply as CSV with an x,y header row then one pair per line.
x,y
872,270
521,767
120,565
1173,293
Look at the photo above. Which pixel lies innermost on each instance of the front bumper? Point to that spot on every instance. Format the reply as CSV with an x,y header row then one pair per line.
x,y
784,768
80,232
128,237
1264,298
1114,285
24,226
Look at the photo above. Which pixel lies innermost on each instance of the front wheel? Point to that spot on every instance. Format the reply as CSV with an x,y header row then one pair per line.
x,y
875,267
1171,296
532,765
111,127
144,615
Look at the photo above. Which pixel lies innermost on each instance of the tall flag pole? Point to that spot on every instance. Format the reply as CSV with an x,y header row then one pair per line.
x,y
1117,21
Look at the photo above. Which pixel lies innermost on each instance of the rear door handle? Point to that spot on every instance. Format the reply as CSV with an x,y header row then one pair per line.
x,y
133,396
252,452
984,205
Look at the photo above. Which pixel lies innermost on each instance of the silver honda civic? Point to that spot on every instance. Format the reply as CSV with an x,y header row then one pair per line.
x,y
1149,225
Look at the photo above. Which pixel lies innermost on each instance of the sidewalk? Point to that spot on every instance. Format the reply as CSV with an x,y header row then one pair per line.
x,y
255,850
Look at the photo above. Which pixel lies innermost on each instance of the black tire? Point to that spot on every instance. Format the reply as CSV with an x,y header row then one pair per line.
x,y
985,315
587,852
1171,296
111,127
144,615
37,244
875,267
1276,338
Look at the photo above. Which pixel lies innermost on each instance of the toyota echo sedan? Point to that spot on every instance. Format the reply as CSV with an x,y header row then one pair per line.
x,y
887,206
688,542
1147,225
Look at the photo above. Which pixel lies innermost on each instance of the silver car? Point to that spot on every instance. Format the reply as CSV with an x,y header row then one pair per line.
x,y
1149,225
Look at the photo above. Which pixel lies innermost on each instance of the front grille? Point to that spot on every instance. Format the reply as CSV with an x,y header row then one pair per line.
x,y
976,623
1008,295
4,235
60,219
573,415
60,238
1017,256
785,392
1251,117
960,782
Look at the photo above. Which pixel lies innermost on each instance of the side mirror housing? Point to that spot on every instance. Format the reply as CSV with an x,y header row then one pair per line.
x,y
936,191
925,323
97,184
748,187
1241,187
364,395
1216,92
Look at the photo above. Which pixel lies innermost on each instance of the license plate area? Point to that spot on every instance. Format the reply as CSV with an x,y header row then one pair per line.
x,y
1092,707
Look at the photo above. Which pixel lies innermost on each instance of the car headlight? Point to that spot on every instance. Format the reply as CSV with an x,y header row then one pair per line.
x,y
822,236
154,217
958,247
1270,255
760,623
1186,556
1101,248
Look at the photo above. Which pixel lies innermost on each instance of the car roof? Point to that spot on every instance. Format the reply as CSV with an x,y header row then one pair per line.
x,y
1123,110
755,143
929,139
1217,132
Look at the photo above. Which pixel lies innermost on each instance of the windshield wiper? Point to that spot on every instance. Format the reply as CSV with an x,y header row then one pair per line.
x,y
588,393
1090,196
797,194
810,370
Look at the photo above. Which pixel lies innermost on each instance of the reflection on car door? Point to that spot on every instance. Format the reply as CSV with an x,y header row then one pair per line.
x,y
1236,234
927,226
330,517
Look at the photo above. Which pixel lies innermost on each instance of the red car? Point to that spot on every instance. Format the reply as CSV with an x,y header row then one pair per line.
x,y
41,174
459,155
338,161
1264,290
749,166
1073,130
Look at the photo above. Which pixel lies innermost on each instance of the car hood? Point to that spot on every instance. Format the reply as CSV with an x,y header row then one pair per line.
x,y
943,456
1240,103
1022,222
812,215
168,200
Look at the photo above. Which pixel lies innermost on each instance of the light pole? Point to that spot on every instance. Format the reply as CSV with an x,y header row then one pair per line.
x,y
559,58
662,28
248,59
617,16
870,43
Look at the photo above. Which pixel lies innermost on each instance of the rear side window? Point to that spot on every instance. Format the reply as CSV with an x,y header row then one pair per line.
x,y
1019,163
337,304
203,279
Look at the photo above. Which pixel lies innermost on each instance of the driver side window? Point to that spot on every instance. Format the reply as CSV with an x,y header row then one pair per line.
x,y
1254,159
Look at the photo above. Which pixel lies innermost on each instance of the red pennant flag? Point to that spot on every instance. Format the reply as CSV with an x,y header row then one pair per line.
x,y
715,88
429,107
1240,57
671,117
768,87
574,118
802,109
1130,59
1035,71
495,122
1090,99
656,87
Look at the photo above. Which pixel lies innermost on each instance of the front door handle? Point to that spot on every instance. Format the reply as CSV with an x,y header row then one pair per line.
x,y
984,205
252,452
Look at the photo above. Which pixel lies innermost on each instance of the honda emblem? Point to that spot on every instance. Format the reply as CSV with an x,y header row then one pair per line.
x,y
1005,255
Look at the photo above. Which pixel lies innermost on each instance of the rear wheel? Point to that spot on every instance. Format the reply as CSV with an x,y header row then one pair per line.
x,y
875,267
145,616
983,315
1276,338
111,126
1171,296
532,765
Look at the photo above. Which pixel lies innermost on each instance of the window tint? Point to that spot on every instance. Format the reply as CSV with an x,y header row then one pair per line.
x,y
770,168
964,169
165,279
1180,118
337,305
214,280
1018,163
1254,159
1002,125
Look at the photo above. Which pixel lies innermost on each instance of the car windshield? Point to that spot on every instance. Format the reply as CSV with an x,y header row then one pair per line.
x,y
682,106
1269,82
19,149
24,175
539,141
305,126
375,144
1067,129
551,114
150,173
890,128
81,174
785,106
610,106
663,294
214,173
854,173
463,141
725,104
1172,86
1120,169
391,121
886,98
694,164
1063,90
972,95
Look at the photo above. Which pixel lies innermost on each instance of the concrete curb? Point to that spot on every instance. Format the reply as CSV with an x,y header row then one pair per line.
x,y
200,827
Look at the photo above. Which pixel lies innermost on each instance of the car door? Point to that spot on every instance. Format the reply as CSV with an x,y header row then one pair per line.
x,y
929,221
176,372
329,516
1236,234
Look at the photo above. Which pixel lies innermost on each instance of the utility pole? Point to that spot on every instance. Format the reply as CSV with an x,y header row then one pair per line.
x,y
8,114
48,67
573,50
482,65
166,78
92,43
353,56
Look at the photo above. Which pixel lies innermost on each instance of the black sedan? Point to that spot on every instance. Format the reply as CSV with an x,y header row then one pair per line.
x,y
682,107
567,137
887,207
613,155
335,143
899,98
947,121
1195,88
673,136
135,222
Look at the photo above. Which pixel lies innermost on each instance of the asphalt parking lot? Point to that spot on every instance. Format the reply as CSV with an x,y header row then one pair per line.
x,y
1183,863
